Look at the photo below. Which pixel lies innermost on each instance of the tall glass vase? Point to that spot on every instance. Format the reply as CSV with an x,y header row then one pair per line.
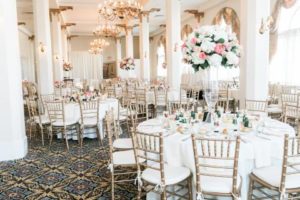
x,y
210,85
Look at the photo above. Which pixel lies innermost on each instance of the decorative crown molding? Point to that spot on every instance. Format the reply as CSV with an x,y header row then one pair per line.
x,y
66,25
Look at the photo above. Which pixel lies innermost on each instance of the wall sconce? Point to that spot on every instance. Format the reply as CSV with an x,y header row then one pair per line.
x,y
266,25
41,47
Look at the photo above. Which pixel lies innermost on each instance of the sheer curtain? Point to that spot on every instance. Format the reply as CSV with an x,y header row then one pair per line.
x,y
285,64
86,66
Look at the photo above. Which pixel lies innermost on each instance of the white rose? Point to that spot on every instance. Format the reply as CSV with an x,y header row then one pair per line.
x,y
215,60
221,35
232,59
196,59
207,46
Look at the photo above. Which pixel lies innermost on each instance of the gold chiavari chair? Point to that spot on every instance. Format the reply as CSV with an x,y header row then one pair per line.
x,y
45,98
111,92
216,164
161,100
291,116
32,90
141,99
36,118
119,143
282,181
138,113
177,105
89,112
289,89
256,107
59,123
288,99
157,175
121,162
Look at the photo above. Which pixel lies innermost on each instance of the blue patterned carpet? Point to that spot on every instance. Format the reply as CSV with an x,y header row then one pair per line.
x,y
52,173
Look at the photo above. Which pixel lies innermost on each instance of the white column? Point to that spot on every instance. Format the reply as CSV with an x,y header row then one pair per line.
x,y
173,43
43,40
255,57
129,42
144,47
64,37
118,56
57,46
13,140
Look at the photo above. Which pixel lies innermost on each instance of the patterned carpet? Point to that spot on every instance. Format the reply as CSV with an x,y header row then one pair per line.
x,y
46,174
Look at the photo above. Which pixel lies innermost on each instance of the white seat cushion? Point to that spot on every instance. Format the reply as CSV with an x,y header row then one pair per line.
x,y
173,175
44,119
67,122
123,143
272,176
124,158
218,184
91,121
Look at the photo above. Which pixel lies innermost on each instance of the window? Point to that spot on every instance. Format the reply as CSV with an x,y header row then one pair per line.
x,y
285,63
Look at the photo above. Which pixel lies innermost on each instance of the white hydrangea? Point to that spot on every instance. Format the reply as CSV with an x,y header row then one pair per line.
x,y
208,46
215,60
232,58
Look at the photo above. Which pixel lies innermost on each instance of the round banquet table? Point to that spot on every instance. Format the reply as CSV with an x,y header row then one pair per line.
x,y
72,112
256,150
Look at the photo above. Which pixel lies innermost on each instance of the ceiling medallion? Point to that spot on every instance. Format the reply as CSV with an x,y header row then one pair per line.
x,y
107,30
119,9
97,46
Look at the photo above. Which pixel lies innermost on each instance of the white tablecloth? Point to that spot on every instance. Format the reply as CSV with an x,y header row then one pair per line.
x,y
72,112
255,151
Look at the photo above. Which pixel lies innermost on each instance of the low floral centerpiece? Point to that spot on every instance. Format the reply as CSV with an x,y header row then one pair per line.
x,y
67,66
211,46
127,64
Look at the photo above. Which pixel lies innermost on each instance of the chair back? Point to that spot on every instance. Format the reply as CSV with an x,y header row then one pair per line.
x,y
149,148
138,113
110,127
216,158
291,111
161,98
56,111
89,110
291,160
256,106
289,99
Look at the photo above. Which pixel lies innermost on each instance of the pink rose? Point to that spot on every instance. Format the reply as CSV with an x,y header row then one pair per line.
x,y
193,40
220,48
183,46
202,55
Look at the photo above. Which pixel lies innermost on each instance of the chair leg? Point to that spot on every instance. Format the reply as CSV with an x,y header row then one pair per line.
x,y
78,136
66,138
42,135
163,195
139,194
99,137
190,189
112,186
51,135
250,190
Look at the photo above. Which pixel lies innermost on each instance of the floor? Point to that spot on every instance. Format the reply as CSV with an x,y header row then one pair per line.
x,y
53,173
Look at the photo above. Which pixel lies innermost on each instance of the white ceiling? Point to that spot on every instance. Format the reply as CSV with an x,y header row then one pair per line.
x,y
84,13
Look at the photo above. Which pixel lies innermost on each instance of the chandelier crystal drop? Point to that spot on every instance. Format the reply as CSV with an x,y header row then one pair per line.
x,y
107,30
114,10
97,46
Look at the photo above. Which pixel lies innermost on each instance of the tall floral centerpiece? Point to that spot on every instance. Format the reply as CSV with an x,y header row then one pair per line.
x,y
127,64
209,48
67,68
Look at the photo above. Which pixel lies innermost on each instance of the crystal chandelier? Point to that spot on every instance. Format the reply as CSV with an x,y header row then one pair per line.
x,y
97,46
107,30
120,9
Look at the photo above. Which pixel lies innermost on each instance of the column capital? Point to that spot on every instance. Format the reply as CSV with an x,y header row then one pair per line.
x,y
197,14
146,13
72,36
66,25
